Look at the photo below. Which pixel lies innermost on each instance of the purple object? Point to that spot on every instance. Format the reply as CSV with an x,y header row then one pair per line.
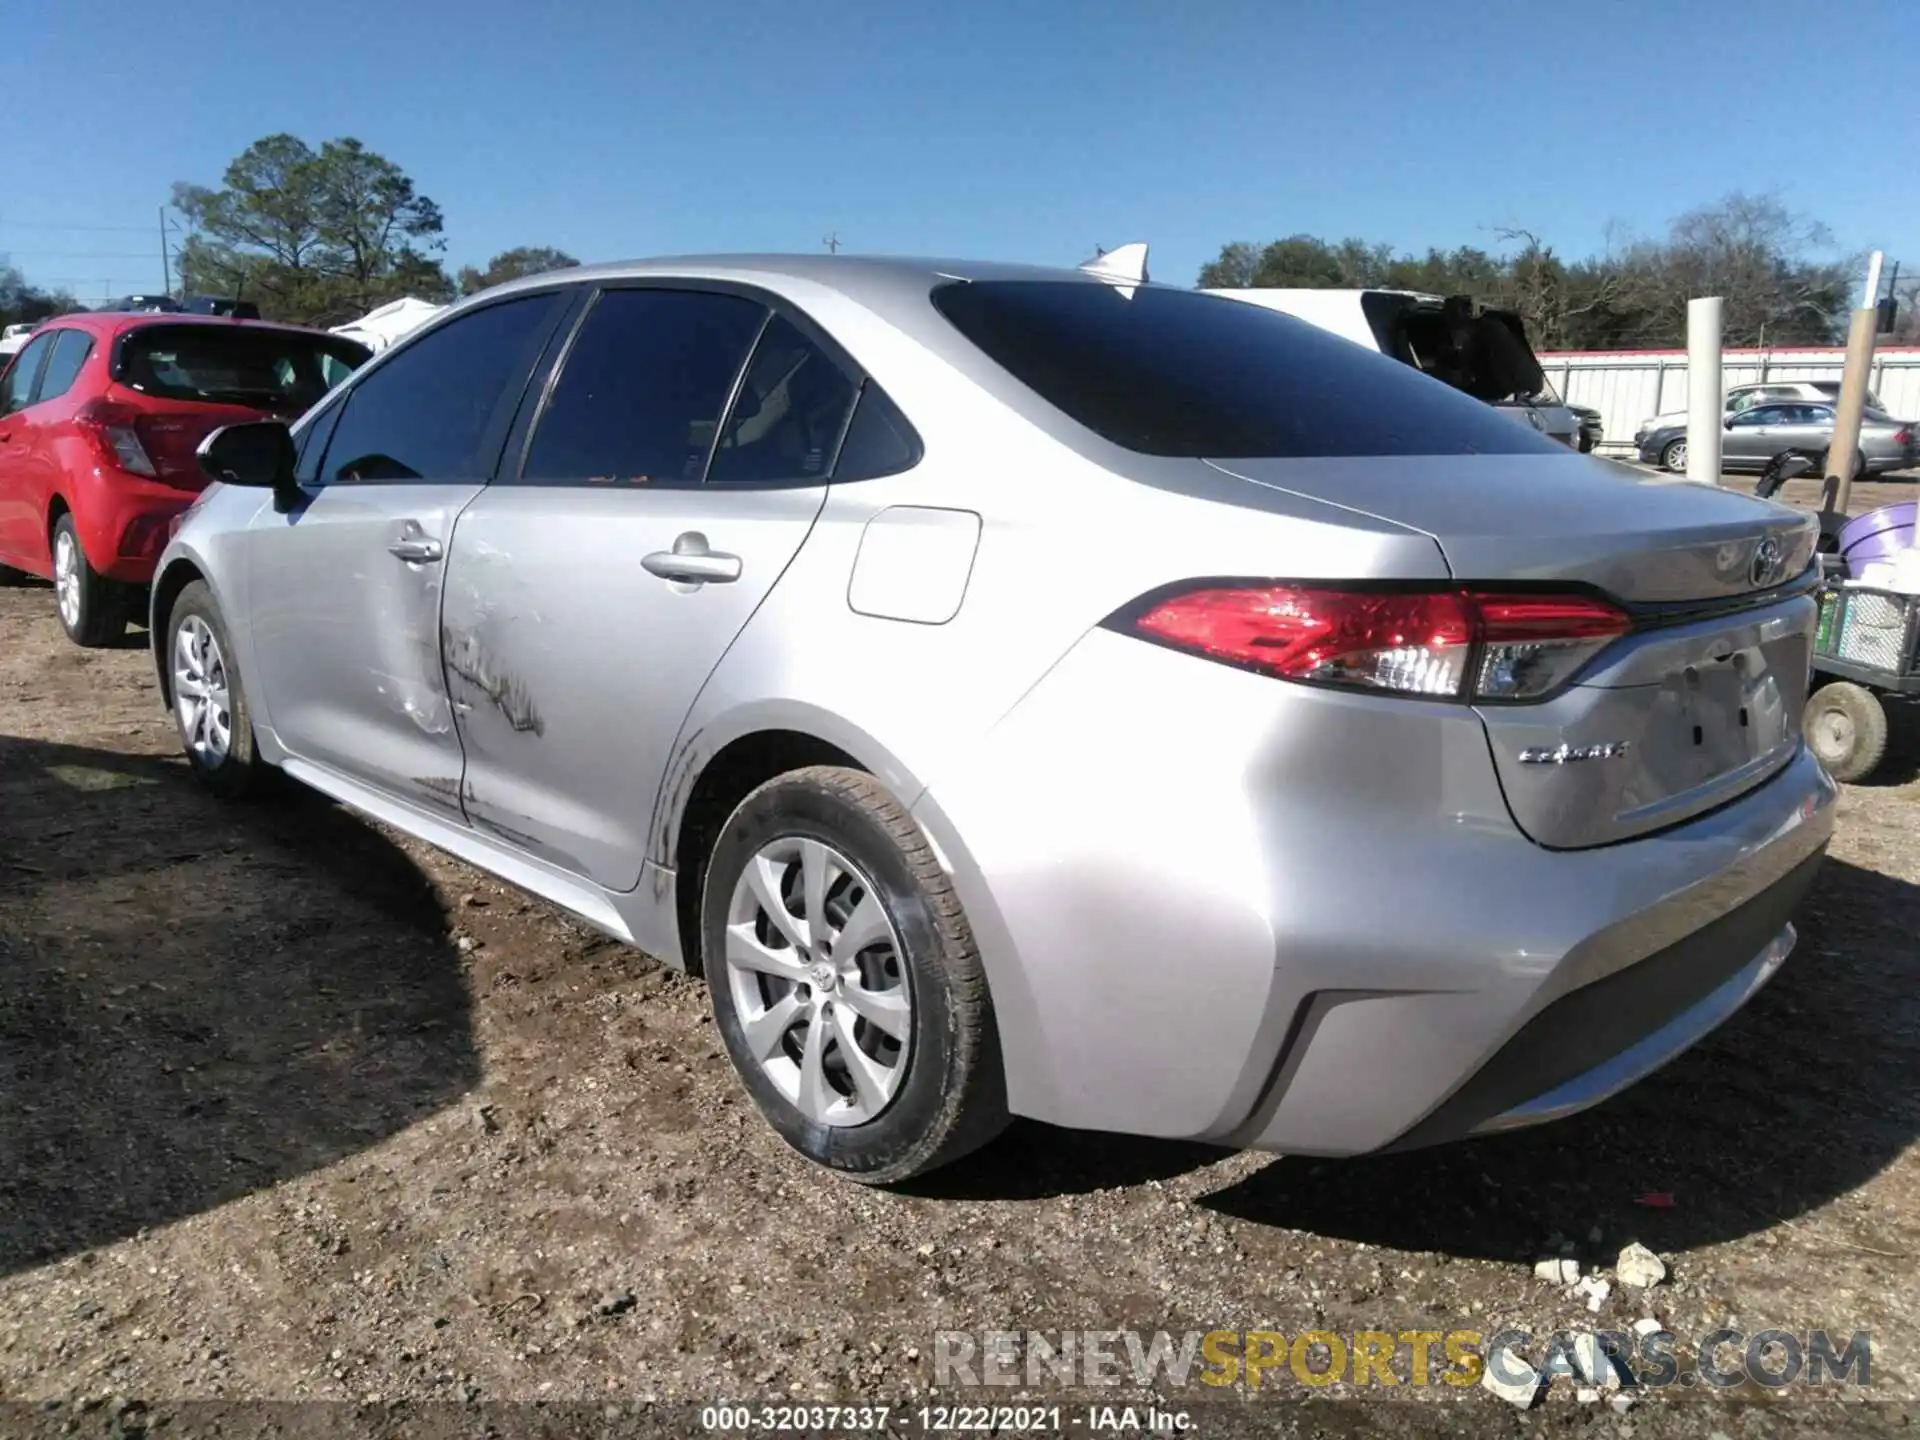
x,y
1877,534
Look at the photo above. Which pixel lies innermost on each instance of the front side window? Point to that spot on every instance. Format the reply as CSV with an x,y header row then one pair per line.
x,y
1760,415
17,393
642,388
432,411
70,351
788,419
1175,372
280,371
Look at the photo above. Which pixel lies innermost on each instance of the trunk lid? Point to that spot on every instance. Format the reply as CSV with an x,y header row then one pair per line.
x,y
1698,705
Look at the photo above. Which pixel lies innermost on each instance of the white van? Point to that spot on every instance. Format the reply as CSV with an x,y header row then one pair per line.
x,y
1484,353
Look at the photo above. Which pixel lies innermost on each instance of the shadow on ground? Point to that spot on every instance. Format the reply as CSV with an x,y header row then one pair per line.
x,y
200,1000
1801,1097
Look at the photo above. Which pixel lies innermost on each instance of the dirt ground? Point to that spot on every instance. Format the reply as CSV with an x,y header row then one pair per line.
x,y
294,1109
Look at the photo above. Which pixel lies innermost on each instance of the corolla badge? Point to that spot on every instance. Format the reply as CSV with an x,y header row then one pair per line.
x,y
1573,754
1768,564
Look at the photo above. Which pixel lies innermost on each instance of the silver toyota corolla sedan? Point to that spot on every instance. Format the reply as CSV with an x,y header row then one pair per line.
x,y
1022,692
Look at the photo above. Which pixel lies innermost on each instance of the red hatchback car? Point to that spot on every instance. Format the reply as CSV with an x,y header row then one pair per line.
x,y
100,415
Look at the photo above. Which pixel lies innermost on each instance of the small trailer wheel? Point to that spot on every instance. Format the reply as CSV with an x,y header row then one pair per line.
x,y
1846,725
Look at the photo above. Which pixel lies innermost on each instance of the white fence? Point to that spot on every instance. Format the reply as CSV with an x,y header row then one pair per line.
x,y
1629,386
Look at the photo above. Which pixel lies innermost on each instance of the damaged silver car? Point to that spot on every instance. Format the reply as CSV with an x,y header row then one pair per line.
x,y
1027,691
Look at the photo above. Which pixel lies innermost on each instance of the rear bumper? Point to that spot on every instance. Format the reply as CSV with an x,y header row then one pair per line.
x,y
1214,905
124,522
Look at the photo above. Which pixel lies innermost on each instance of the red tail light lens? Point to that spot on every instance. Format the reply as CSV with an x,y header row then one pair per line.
x,y
113,429
1903,436
1455,643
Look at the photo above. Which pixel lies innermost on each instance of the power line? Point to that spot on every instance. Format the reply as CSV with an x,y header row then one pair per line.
x,y
85,254
96,229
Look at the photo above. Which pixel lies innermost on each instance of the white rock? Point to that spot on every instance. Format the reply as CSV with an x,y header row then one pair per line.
x,y
1557,1272
1596,1290
1586,1395
1639,1267
1646,1327
1511,1378
1621,1403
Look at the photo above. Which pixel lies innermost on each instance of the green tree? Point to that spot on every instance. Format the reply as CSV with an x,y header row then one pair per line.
x,y
21,302
1774,268
315,237
512,264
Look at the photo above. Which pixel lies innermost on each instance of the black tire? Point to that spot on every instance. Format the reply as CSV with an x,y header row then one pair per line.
x,y
101,615
1846,728
240,771
952,1098
1670,452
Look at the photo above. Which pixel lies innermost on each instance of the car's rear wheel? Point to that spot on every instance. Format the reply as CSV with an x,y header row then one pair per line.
x,y
844,979
209,703
93,610
1846,727
1673,457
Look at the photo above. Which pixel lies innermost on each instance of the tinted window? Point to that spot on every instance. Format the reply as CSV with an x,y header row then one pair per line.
x,y
788,418
70,351
281,371
879,441
643,387
1763,415
313,444
430,412
1175,372
18,390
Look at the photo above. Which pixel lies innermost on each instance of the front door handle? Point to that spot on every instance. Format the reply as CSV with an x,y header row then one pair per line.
x,y
416,547
692,563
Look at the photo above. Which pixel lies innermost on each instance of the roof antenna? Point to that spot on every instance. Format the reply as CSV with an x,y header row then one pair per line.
x,y
1126,266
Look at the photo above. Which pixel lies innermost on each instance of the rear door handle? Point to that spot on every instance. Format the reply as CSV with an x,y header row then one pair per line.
x,y
416,547
692,563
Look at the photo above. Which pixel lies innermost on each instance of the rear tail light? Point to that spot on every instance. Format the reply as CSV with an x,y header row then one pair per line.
x,y
1450,644
1903,436
112,427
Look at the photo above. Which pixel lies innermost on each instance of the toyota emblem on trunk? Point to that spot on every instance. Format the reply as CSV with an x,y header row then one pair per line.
x,y
1769,559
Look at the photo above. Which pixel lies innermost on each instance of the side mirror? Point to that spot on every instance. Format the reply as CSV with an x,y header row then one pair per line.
x,y
258,453
1728,422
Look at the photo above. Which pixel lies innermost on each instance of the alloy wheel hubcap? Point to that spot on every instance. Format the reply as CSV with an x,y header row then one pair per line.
x,y
818,981
201,701
1837,731
1677,458
66,578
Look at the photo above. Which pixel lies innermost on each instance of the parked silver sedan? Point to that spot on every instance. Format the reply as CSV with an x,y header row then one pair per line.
x,y
1022,692
1753,437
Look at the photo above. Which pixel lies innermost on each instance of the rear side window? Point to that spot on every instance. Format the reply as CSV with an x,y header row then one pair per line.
x,y
1175,372
70,351
434,411
17,393
643,387
879,441
284,372
788,419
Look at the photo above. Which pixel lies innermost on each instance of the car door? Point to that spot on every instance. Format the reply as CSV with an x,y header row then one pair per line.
x,y
344,587
1800,427
677,465
19,521
1748,435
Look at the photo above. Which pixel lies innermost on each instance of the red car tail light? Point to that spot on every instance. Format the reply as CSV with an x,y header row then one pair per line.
x,y
112,429
1447,643
1903,436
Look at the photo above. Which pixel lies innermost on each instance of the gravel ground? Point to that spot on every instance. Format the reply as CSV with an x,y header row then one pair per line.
x,y
294,1109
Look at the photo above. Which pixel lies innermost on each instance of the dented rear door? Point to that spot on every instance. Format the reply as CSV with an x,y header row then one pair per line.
x,y
672,473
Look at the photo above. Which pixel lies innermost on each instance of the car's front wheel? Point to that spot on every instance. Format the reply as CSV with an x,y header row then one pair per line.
x,y
93,610
209,703
1673,458
845,982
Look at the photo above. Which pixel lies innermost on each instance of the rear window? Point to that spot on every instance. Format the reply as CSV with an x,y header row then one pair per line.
x,y
282,371
1175,372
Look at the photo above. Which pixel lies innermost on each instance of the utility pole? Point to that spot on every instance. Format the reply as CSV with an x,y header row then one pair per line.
x,y
832,242
1853,393
166,264
1706,402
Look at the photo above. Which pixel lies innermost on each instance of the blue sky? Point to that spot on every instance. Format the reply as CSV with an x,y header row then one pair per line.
x,y
999,129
